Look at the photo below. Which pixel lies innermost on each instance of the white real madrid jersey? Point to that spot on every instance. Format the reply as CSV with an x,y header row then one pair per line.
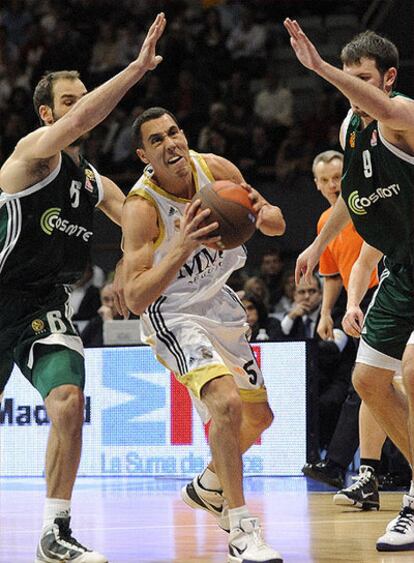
x,y
206,270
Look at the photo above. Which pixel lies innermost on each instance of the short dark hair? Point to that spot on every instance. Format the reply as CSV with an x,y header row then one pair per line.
x,y
147,115
370,45
43,94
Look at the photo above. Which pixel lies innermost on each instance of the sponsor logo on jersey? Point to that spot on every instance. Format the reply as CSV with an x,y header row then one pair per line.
x,y
203,263
38,325
358,205
352,138
51,220
374,139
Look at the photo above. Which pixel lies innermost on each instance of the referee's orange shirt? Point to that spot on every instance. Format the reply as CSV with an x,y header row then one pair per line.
x,y
342,252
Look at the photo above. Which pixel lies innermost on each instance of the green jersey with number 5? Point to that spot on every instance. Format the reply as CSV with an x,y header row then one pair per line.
x,y
46,229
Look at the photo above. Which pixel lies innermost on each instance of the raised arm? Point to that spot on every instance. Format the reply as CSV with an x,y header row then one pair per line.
x,y
308,259
113,200
395,113
89,111
270,220
358,285
144,282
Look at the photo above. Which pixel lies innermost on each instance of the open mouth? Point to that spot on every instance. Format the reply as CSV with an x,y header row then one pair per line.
x,y
174,159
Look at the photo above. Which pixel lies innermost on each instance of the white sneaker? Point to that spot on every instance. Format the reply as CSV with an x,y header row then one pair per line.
x,y
399,535
246,544
57,544
196,496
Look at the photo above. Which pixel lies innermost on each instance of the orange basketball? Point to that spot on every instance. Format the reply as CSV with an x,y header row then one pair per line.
x,y
231,207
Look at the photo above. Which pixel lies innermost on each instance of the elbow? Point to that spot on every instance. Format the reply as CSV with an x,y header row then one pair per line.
x,y
134,304
281,227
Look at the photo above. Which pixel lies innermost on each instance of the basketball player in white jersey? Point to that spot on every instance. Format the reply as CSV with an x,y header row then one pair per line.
x,y
174,277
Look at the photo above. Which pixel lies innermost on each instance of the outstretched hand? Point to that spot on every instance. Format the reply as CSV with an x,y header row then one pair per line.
x,y
147,58
353,321
303,47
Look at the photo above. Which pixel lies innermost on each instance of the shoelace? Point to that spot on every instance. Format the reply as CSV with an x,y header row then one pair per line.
x,y
404,521
258,537
360,481
66,534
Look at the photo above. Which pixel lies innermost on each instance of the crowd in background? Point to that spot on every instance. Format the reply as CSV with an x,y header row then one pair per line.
x,y
223,78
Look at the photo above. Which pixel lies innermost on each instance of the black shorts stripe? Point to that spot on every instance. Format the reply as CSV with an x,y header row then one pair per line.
x,y
166,336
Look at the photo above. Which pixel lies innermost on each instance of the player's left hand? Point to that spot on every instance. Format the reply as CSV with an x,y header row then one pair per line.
x,y
269,217
303,47
147,58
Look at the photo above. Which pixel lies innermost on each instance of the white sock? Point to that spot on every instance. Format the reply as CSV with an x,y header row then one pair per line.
x,y
55,508
236,514
209,480
411,491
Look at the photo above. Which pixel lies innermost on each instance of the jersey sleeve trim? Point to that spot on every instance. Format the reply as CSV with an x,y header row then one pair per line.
x,y
395,150
36,187
99,184
142,192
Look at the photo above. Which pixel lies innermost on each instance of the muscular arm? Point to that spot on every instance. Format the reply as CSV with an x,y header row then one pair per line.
x,y
46,142
361,274
358,284
308,259
396,114
270,219
112,201
332,286
144,281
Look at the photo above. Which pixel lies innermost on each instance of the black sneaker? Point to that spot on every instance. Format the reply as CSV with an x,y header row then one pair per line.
x,y
325,472
57,544
363,493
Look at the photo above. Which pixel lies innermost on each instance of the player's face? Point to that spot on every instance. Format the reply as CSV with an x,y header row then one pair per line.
x,y
367,71
165,147
66,93
328,179
309,294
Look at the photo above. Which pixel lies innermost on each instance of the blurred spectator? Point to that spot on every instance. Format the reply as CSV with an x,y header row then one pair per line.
x,y
190,103
258,162
105,55
334,358
294,155
284,305
8,51
15,18
271,272
92,334
273,103
257,287
262,327
211,47
247,42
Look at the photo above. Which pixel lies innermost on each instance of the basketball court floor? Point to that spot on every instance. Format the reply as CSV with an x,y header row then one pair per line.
x,y
137,520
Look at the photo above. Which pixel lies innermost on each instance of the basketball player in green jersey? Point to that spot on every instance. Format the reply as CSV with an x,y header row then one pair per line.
x,y
48,195
378,195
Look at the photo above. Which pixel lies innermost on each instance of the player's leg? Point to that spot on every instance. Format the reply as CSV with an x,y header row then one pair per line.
x,y
50,355
399,534
363,493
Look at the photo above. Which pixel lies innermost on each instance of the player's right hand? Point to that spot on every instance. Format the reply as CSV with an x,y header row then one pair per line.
x,y
303,47
193,231
305,264
325,327
353,321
